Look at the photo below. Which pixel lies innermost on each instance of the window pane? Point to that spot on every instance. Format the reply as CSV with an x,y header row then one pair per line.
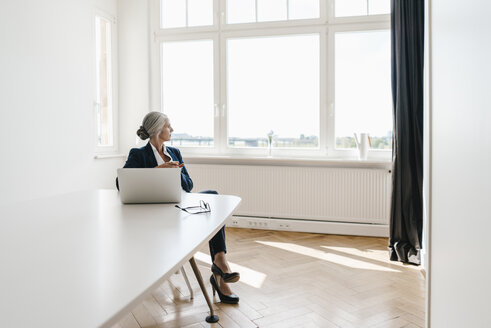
x,y
378,7
241,11
103,82
303,9
187,91
273,85
200,12
173,13
363,88
271,10
351,8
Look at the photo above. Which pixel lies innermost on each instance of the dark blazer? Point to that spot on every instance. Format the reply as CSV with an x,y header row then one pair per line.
x,y
144,158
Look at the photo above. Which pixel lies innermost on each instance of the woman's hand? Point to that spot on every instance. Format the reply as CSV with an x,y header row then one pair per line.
x,y
170,164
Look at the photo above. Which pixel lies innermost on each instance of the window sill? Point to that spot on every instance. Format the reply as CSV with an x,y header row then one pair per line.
x,y
286,161
106,156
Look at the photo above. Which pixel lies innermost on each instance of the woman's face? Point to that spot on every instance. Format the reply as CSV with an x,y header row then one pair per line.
x,y
166,132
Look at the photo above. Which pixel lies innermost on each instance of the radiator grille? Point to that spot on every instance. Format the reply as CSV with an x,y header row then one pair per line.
x,y
327,194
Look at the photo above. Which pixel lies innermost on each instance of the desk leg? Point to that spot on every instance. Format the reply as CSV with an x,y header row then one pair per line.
x,y
212,317
185,276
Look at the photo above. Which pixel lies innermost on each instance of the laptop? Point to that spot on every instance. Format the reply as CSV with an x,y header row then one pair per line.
x,y
138,186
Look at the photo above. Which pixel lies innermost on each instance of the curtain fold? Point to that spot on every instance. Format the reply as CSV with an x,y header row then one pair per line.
x,y
407,50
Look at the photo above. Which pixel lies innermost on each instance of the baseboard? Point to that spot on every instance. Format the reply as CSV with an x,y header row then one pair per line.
x,y
326,227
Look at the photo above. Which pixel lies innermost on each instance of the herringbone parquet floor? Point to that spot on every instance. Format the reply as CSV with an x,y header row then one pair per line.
x,y
291,279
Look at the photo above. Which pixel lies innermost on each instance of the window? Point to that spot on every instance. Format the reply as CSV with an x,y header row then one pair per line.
x,y
249,11
187,88
283,96
362,88
104,86
345,8
186,13
297,75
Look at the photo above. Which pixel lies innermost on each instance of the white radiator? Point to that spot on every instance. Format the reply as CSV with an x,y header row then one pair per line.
x,y
310,193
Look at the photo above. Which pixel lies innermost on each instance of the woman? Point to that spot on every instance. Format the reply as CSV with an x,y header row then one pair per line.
x,y
156,127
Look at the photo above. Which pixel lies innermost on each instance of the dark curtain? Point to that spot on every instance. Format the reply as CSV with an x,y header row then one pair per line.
x,y
407,50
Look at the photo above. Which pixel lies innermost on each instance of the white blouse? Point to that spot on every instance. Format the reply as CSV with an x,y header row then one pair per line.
x,y
159,159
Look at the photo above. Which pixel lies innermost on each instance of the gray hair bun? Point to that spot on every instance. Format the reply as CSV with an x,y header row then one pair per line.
x,y
142,133
152,123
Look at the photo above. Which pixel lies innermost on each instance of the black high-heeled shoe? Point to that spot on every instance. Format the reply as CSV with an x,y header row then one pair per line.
x,y
227,277
228,299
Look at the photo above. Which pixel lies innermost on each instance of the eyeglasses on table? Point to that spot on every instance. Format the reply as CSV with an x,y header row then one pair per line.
x,y
203,207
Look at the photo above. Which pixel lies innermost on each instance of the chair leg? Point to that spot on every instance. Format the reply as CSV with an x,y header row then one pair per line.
x,y
212,317
191,294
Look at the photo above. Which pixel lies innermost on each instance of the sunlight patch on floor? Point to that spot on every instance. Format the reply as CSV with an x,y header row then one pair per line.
x,y
355,251
334,258
374,255
248,276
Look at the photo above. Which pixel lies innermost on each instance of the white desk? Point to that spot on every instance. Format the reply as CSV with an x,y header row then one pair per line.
x,y
84,259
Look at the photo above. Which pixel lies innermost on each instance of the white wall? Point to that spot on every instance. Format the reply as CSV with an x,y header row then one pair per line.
x,y
461,155
47,134
134,67
426,145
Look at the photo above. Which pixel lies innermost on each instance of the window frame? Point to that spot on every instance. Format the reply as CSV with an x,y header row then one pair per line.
x,y
109,149
326,26
353,19
351,27
260,151
156,14
216,96
273,24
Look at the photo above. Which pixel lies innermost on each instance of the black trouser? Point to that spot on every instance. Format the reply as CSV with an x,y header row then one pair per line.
x,y
217,243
